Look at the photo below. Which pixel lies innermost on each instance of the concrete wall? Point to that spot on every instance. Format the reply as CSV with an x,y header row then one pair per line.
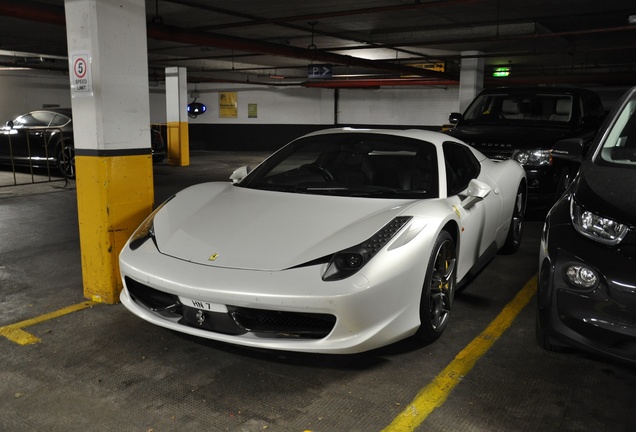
x,y
22,91
398,106
283,113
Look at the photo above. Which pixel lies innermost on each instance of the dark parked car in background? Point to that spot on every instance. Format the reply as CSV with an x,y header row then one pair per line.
x,y
587,277
524,123
44,138
39,139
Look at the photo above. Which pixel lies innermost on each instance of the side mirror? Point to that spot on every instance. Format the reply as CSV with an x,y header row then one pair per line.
x,y
570,149
477,190
239,174
10,124
454,117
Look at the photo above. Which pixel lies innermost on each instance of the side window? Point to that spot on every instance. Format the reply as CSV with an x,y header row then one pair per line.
x,y
42,118
26,120
461,167
59,120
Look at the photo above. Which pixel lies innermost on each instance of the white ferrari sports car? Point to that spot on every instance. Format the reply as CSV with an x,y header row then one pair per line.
x,y
343,241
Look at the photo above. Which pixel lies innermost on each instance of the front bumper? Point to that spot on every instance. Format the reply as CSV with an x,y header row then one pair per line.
x,y
363,312
600,320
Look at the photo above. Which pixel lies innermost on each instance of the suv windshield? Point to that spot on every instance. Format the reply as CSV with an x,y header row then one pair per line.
x,y
351,164
495,108
618,145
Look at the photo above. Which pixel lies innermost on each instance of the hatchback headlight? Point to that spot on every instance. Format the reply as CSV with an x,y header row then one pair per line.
x,y
596,227
533,158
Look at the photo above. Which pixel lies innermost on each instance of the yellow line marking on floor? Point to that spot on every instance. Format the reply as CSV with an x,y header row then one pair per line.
x,y
15,332
437,391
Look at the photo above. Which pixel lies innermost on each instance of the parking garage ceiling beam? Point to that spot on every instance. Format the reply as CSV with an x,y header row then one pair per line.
x,y
39,12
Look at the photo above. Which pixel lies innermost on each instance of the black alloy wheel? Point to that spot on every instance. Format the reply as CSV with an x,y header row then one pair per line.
x,y
438,290
66,160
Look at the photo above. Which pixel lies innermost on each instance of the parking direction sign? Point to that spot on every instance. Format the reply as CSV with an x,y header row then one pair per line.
x,y
320,71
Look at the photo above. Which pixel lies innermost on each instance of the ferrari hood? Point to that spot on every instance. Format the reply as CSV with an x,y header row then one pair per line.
x,y
218,224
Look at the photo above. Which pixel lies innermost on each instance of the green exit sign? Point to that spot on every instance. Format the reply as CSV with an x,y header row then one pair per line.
x,y
501,71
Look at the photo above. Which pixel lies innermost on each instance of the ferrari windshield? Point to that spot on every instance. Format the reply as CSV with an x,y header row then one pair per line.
x,y
351,164
618,145
522,107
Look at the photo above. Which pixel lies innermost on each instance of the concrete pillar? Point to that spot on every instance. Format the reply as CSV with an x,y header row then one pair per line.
x,y
111,116
177,116
471,78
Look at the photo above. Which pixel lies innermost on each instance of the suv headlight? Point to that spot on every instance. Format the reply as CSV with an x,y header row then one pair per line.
x,y
596,227
533,158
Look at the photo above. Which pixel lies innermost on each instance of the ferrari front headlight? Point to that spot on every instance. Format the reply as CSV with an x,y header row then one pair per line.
x,y
533,158
596,227
347,262
145,231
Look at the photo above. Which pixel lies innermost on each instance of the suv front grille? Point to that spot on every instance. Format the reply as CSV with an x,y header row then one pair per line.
x,y
500,151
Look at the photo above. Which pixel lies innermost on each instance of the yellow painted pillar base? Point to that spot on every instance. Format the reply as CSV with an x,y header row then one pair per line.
x,y
114,195
178,144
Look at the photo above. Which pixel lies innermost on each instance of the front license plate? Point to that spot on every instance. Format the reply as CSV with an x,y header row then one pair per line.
x,y
203,305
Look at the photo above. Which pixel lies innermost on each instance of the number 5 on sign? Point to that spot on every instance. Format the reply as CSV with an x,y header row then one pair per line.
x,y
81,81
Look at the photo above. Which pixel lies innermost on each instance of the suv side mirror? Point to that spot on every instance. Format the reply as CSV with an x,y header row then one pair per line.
x,y
10,124
570,149
454,117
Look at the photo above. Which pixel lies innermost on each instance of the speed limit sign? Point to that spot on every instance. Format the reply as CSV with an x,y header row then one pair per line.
x,y
81,83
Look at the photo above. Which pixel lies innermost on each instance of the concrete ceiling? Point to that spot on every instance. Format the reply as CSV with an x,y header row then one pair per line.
x,y
368,43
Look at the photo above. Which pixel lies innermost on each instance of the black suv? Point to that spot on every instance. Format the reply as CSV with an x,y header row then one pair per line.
x,y
524,123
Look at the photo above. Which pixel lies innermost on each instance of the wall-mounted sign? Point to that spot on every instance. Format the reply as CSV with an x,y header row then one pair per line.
x,y
228,105
81,80
319,71
252,110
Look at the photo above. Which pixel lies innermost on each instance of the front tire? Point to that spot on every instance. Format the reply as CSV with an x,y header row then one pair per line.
x,y
544,341
438,290
66,160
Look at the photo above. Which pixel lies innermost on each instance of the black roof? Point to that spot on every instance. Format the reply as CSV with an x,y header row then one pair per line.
x,y
537,90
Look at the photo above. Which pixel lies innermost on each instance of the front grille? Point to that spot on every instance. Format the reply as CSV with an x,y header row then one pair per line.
x,y
238,320
284,323
153,299
495,153
494,150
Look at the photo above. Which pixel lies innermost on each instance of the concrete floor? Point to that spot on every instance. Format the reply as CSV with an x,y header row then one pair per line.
x,y
102,369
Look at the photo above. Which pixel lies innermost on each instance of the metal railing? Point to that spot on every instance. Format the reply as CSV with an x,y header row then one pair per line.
x,y
28,166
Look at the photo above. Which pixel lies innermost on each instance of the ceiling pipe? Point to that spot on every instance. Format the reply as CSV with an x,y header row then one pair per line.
x,y
38,12
376,83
